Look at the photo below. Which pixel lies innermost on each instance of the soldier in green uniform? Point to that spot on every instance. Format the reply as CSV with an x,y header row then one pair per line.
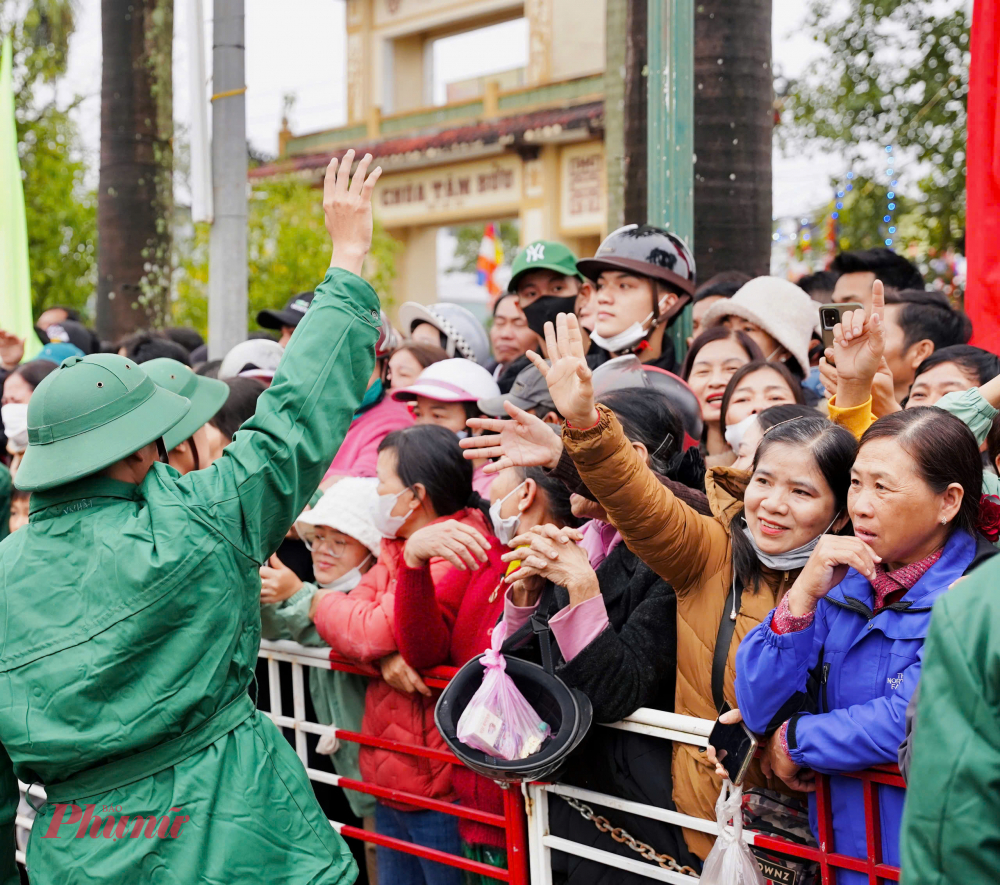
x,y
130,609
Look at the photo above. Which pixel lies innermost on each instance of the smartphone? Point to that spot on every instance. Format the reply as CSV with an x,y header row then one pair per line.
x,y
734,747
830,315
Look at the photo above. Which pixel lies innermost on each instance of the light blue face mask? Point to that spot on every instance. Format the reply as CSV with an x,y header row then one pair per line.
x,y
791,559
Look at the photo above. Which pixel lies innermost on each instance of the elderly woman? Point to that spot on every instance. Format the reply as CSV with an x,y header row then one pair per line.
x,y
856,617
729,569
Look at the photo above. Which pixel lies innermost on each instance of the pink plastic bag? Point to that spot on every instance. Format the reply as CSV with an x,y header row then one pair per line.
x,y
498,720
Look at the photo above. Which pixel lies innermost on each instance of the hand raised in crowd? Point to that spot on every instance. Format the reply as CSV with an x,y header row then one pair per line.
x,y
730,717
347,208
775,761
11,349
277,582
569,376
826,568
401,676
858,346
463,546
527,441
554,554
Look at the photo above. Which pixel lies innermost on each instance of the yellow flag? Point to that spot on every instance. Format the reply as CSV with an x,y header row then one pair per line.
x,y
15,280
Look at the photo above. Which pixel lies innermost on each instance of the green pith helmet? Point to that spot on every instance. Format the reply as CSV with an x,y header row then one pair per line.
x,y
207,396
89,413
543,255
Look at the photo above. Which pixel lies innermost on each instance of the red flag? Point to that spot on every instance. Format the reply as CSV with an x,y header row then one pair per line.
x,y
982,246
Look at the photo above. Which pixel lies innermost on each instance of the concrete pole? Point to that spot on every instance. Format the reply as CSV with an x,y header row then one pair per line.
x,y
670,132
227,261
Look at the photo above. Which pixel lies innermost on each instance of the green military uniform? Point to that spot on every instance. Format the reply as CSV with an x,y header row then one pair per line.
x,y
339,698
951,821
131,626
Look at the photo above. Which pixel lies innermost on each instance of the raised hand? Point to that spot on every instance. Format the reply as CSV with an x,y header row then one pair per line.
x,y
569,376
526,441
858,345
11,349
277,582
347,208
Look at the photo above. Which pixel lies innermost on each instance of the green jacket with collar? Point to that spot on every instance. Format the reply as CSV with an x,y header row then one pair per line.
x,y
129,633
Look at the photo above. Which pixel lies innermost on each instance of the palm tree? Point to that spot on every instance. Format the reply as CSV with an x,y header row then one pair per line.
x,y
135,200
734,117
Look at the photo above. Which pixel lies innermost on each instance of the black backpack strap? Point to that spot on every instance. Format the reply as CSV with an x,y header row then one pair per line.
x,y
536,625
724,639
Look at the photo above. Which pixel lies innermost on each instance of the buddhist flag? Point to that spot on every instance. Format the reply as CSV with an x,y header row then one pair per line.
x,y
15,282
982,292
490,258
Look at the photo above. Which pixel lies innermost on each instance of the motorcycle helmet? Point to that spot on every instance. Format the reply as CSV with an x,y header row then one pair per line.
x,y
645,250
464,336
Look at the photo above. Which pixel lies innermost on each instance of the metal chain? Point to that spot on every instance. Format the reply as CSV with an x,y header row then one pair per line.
x,y
620,835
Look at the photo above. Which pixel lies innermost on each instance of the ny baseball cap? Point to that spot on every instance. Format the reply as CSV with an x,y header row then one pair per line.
x,y
290,316
543,255
529,391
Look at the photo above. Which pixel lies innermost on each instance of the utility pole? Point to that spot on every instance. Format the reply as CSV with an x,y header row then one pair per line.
x,y
227,260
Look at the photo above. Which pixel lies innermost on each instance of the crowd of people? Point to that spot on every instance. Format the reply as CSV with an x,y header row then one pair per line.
x,y
762,525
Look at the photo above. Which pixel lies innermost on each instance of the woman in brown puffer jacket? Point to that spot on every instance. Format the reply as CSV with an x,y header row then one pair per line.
x,y
796,492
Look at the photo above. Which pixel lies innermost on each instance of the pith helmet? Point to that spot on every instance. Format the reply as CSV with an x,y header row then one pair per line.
x,y
207,396
89,413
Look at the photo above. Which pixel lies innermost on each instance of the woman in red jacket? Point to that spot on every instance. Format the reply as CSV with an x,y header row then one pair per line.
x,y
431,526
428,634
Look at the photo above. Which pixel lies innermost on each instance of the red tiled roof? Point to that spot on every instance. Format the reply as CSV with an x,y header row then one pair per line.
x,y
589,116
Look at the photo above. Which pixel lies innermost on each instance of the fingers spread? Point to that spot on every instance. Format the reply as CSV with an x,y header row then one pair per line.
x,y
360,173
538,362
344,173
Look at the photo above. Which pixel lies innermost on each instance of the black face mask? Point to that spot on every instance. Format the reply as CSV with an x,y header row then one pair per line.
x,y
545,310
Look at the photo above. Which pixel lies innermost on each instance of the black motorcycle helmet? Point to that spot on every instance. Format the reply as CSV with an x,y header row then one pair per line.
x,y
568,712
648,251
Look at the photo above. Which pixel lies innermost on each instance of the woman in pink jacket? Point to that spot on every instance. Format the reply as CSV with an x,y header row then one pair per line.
x,y
429,516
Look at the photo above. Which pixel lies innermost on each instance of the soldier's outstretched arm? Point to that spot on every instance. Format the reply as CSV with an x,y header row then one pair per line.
x,y
266,476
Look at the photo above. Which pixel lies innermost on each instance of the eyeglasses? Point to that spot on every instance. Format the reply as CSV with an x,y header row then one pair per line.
x,y
335,547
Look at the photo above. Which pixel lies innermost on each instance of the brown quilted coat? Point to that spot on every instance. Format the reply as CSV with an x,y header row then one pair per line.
x,y
693,553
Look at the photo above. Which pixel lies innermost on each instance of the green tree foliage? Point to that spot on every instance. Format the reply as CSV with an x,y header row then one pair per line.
x,y
470,236
61,212
288,250
895,72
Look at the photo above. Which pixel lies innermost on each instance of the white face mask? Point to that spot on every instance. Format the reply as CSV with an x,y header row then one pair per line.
x,y
791,559
736,432
625,339
385,522
347,581
15,425
505,527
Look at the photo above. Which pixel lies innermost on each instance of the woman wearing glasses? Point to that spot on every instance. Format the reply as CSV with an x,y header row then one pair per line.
x,y
344,544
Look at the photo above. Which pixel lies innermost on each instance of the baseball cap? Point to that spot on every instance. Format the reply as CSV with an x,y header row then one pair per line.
x,y
451,381
256,358
290,316
543,255
529,391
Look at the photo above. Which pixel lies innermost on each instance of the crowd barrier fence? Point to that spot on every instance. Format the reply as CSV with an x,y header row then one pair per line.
x,y
525,819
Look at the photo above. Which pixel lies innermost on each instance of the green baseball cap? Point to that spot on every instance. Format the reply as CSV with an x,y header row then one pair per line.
x,y
89,413
543,255
207,396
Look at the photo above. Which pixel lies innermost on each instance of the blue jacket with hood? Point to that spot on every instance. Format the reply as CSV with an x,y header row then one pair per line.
x,y
856,671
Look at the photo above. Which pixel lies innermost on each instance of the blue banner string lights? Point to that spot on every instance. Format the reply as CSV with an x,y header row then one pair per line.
x,y
890,196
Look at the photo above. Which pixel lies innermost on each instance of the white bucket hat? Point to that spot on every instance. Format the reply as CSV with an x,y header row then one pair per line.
x,y
779,307
256,358
347,507
451,381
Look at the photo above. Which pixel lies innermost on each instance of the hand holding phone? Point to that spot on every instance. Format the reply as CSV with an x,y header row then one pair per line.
x,y
830,315
731,745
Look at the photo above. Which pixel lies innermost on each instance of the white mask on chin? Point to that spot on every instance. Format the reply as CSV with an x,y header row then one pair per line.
x,y
348,580
624,339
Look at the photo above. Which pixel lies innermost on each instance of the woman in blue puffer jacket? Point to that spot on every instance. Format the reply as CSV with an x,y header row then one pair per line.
x,y
846,641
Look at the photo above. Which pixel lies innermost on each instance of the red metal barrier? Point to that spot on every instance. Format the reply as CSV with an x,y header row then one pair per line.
x,y
512,822
829,861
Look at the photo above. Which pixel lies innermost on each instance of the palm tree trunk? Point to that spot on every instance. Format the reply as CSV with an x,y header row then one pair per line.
x,y
135,200
734,118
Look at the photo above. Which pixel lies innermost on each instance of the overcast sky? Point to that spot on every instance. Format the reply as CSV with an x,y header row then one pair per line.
x,y
300,50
